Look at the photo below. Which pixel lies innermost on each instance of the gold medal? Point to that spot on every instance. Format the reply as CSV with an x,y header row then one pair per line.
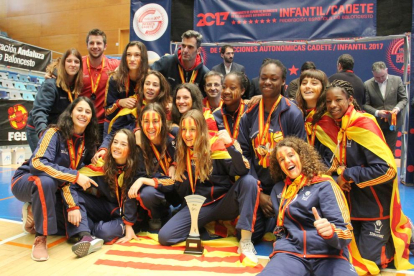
x,y
262,150
290,191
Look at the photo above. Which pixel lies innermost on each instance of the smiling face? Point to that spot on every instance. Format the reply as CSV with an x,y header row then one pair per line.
x,y
289,161
232,92
213,87
72,65
151,125
81,116
336,102
183,100
151,88
310,89
271,81
189,131
133,57
120,148
96,46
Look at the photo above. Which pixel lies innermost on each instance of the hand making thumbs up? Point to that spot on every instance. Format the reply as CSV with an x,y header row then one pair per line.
x,y
322,225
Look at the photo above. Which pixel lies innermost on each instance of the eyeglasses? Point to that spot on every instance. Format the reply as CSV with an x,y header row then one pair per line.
x,y
213,85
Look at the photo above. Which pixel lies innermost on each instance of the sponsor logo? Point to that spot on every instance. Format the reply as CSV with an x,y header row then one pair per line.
x,y
17,116
150,22
377,232
394,57
306,195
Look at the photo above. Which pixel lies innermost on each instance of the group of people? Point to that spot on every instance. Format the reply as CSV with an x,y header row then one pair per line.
x,y
314,169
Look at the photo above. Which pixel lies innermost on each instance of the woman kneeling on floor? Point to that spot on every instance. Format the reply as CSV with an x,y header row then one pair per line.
x,y
313,224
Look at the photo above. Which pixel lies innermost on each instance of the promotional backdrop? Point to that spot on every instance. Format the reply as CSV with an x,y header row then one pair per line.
x,y
13,120
151,24
18,54
268,20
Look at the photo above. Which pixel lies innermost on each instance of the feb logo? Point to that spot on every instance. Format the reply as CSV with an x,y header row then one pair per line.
x,y
150,22
17,116
395,56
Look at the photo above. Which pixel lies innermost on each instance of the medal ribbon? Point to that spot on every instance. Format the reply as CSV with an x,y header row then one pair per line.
x,y
70,96
94,86
75,158
193,181
117,186
193,75
163,162
289,192
236,123
264,128
309,127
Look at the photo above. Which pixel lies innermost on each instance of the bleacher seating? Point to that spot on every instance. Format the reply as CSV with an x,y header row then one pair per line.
x,y
17,84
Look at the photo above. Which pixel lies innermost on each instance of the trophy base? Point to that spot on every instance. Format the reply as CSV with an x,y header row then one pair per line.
x,y
193,246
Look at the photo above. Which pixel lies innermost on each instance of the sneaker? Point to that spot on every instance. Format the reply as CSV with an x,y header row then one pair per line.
x,y
155,224
246,248
39,249
28,221
86,246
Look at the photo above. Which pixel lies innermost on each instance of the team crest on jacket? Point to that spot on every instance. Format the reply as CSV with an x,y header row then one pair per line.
x,y
306,195
377,230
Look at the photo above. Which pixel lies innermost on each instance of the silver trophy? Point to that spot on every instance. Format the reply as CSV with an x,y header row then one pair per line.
x,y
193,242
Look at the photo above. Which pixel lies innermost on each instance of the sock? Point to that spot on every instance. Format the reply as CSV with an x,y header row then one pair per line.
x,y
245,235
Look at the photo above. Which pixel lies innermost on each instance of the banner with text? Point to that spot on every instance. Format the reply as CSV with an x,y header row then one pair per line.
x,y
268,20
151,24
13,121
18,54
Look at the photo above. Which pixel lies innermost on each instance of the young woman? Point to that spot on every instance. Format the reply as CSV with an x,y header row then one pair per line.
x,y
54,165
264,125
367,172
153,88
208,167
102,215
229,115
313,226
55,95
123,85
156,154
187,96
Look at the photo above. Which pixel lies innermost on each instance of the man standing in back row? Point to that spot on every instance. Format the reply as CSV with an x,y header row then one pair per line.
x,y
227,54
96,67
186,65
385,95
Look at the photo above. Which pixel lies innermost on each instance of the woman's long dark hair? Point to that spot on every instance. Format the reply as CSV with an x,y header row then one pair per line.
x,y
196,97
163,98
313,74
121,75
111,168
66,128
146,149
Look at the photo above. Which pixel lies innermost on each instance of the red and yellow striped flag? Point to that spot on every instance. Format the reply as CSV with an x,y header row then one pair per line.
x,y
148,257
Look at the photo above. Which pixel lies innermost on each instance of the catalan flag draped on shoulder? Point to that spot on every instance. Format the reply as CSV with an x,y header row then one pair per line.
x,y
364,130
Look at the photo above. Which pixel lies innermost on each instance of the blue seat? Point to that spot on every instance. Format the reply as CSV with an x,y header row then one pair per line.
x,y
33,79
31,87
40,80
28,96
4,95
13,76
23,78
8,84
3,75
20,85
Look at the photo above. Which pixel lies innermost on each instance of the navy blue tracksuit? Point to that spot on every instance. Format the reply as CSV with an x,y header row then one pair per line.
x,y
38,180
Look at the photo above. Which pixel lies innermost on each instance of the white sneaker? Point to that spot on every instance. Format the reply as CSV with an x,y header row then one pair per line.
x,y
246,248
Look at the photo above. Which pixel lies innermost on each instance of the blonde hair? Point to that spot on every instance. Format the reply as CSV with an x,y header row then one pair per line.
x,y
201,149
